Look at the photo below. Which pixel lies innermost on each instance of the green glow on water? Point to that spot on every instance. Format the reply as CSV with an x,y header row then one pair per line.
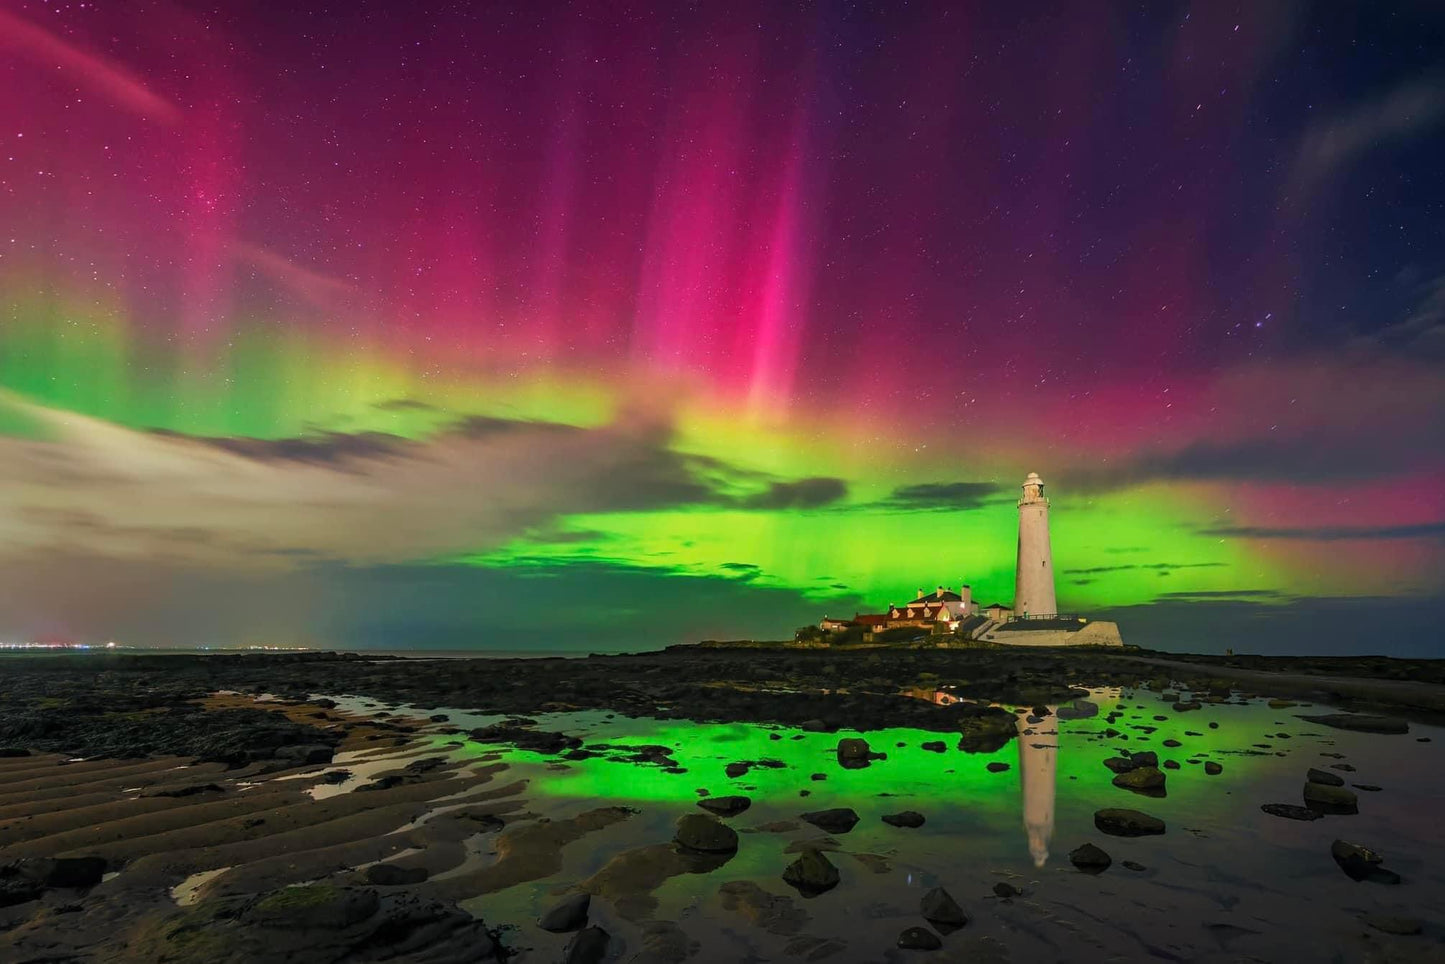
x,y
961,799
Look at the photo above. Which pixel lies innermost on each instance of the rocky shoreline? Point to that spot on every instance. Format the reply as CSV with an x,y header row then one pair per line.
x,y
127,780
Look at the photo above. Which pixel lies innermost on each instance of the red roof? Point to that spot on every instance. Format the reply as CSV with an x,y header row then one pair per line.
x,y
870,619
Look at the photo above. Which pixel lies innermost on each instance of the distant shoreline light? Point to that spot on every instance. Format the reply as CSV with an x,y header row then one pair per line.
x,y
111,646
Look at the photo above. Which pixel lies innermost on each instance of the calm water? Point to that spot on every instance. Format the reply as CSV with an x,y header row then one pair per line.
x,y
1226,882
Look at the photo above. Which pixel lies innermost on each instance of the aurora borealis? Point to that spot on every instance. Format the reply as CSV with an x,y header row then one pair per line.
x,y
531,325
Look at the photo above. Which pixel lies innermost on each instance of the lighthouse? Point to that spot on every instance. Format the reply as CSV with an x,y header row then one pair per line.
x,y
1034,578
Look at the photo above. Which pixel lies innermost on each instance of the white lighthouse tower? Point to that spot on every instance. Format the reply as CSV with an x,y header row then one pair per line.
x,y
1034,578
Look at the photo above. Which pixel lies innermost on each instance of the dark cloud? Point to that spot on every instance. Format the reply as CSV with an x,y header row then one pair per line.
x,y
1158,566
941,495
486,427
365,497
812,493
325,448
1422,530
404,405
1224,594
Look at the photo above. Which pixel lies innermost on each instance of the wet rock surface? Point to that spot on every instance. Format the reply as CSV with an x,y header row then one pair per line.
x,y
570,914
811,874
704,834
940,909
1330,799
1090,859
907,818
919,939
1290,811
836,820
1361,863
725,806
1147,780
1120,822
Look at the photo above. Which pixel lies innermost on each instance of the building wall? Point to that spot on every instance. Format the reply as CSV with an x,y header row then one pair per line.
x,y
1101,633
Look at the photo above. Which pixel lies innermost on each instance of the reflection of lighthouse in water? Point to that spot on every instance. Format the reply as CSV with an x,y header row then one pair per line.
x,y
1038,760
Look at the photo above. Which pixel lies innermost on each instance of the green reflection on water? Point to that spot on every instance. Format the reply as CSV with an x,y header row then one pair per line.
x,y
1053,765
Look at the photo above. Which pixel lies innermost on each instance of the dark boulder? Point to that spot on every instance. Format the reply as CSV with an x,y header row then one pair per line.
x,y
703,834
918,939
1146,780
940,909
1119,822
855,754
811,874
934,746
588,947
908,818
836,820
728,806
1212,768
1090,859
526,738
568,915
1327,799
1290,812
1321,776
1359,863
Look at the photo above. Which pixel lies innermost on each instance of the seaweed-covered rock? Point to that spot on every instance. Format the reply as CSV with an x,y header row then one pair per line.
x,y
1146,780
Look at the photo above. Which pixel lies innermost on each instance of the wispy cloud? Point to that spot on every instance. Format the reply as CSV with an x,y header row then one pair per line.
x,y
1333,143
360,498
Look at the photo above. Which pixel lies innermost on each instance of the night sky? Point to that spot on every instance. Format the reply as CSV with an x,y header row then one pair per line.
x,y
608,324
